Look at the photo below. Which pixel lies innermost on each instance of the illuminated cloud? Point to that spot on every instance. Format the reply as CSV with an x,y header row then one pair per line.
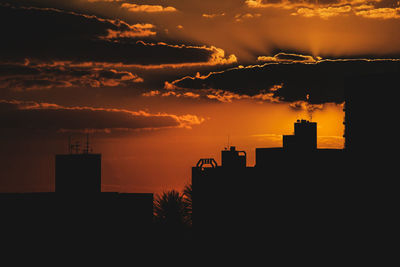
x,y
295,82
216,56
285,4
59,36
211,16
135,31
246,16
373,9
323,12
293,4
32,115
25,77
229,97
304,105
225,96
380,13
287,57
147,8
171,93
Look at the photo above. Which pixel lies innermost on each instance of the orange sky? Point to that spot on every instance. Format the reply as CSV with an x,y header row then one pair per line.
x,y
169,155
157,160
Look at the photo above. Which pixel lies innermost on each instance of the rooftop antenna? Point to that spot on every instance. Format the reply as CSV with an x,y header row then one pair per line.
x,y
87,147
73,147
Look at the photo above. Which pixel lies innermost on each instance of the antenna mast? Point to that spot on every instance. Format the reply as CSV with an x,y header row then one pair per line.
x,y
87,148
73,146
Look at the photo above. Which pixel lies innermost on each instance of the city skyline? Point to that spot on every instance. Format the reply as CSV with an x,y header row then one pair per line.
x,y
161,84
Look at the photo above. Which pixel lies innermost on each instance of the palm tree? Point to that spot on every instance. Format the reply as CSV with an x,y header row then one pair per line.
x,y
173,215
169,209
187,200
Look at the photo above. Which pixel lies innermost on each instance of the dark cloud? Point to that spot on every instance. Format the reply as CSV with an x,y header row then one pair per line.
x,y
44,116
316,83
34,77
46,34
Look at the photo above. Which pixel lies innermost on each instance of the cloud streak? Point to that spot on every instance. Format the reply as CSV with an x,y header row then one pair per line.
x,y
299,81
54,35
25,77
147,8
31,115
288,57
372,9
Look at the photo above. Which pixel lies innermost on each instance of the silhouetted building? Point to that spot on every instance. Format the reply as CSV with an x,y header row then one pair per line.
x,y
305,199
370,126
298,151
232,158
304,138
370,115
288,189
78,173
78,209
218,193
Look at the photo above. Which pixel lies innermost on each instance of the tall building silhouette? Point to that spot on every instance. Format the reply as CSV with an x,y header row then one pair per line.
x,y
313,199
370,115
298,151
288,189
304,138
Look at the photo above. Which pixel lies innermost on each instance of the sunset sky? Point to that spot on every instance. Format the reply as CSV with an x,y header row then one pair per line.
x,y
160,84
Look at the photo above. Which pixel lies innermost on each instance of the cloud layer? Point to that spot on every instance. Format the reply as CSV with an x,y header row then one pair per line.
x,y
28,76
31,115
373,9
46,34
315,82
147,8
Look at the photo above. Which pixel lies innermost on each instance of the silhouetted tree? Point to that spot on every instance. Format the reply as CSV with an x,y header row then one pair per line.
x,y
169,209
187,200
172,214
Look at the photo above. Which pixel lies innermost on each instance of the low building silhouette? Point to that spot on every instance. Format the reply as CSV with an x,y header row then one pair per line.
x,y
78,173
78,208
